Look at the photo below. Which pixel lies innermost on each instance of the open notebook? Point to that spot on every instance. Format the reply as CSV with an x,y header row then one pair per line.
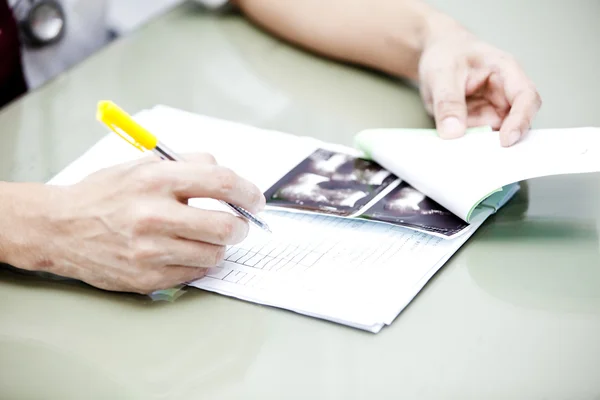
x,y
468,174
352,243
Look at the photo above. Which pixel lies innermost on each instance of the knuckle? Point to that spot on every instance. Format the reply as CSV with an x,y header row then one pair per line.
x,y
146,219
226,230
448,102
143,255
149,177
448,105
227,180
209,158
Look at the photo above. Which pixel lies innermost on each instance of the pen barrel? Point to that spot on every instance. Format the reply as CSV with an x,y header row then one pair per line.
x,y
165,153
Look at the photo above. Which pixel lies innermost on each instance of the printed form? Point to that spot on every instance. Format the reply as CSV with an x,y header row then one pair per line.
x,y
355,272
350,271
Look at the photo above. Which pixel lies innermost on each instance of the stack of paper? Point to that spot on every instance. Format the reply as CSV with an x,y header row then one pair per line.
x,y
354,271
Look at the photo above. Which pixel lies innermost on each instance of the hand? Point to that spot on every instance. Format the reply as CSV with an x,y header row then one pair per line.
x,y
129,228
466,82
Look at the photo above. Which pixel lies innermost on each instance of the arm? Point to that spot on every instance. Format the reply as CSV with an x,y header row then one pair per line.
x,y
385,35
464,82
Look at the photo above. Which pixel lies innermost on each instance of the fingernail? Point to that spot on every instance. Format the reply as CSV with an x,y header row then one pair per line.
x,y
451,128
513,137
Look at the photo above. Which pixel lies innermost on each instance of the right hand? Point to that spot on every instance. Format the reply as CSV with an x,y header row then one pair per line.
x,y
129,228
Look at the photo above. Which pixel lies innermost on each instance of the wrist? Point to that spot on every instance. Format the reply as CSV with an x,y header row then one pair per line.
x,y
25,237
437,26
428,26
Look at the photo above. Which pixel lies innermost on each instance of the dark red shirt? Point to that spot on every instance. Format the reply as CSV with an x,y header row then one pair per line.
x,y
12,79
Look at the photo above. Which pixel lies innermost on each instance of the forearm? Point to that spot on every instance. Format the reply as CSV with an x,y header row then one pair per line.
x,y
388,35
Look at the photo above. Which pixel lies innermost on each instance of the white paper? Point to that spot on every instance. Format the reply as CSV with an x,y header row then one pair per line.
x,y
354,271
459,173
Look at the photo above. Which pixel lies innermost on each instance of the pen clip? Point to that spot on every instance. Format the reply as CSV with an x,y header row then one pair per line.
x,y
125,136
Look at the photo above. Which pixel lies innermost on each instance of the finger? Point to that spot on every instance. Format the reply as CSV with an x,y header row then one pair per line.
x,y
166,277
201,158
495,93
449,101
517,123
179,274
215,227
162,249
191,180
524,103
191,253
186,274
489,87
477,82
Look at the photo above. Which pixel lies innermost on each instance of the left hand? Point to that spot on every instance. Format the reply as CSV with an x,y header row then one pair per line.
x,y
466,82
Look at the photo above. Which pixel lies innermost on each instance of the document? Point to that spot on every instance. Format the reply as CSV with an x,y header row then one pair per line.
x,y
462,174
333,268
357,233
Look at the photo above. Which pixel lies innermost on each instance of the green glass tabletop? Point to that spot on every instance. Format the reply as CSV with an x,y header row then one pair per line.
x,y
515,314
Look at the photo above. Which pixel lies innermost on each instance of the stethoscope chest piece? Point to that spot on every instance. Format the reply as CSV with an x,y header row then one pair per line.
x,y
41,22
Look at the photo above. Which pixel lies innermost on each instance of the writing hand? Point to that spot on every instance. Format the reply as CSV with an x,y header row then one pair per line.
x,y
128,227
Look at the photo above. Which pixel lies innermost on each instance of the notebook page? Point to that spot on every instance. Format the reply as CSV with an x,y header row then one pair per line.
x,y
327,267
460,173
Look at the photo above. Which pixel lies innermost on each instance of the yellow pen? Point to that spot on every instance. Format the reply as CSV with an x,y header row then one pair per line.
x,y
123,125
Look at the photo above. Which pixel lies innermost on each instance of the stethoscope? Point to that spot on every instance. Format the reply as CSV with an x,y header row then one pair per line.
x,y
41,22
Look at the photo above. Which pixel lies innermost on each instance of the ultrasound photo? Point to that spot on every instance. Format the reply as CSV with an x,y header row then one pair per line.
x,y
331,183
406,206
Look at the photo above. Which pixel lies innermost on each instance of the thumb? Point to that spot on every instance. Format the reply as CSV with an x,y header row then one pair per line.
x,y
449,104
